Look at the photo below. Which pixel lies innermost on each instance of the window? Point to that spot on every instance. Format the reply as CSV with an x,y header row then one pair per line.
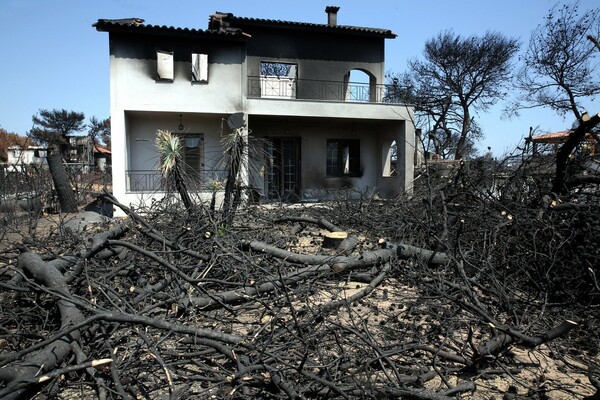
x,y
278,69
278,80
343,157
200,68
193,155
164,65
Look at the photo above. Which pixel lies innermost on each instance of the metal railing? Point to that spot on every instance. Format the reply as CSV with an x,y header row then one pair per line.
x,y
144,181
153,181
312,89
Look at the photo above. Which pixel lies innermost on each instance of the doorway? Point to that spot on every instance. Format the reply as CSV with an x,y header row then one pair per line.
x,y
282,176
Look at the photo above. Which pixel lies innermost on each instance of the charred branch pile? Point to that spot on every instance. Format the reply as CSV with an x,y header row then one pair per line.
x,y
469,282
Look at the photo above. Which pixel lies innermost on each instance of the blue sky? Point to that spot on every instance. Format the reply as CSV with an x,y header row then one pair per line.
x,y
53,58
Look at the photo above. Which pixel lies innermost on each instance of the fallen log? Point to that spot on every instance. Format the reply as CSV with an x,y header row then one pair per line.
x,y
315,264
368,258
19,378
322,222
347,246
508,336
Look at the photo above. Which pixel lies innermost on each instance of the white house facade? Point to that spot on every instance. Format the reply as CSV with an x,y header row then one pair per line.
x,y
288,84
26,155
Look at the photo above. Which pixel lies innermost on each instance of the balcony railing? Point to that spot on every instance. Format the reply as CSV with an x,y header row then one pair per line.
x,y
144,181
153,181
311,89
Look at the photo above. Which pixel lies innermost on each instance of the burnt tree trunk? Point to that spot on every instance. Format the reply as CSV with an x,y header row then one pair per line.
x,y
562,157
66,196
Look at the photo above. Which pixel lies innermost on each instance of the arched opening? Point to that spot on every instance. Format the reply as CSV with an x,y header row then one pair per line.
x,y
360,86
389,158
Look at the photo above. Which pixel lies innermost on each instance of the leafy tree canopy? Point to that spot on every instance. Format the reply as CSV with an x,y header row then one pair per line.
x,y
99,130
52,128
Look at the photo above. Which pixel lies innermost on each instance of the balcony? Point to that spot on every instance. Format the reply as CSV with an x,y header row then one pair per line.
x,y
318,90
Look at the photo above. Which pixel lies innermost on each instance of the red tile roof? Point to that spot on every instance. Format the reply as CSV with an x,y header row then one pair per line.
x,y
101,150
556,137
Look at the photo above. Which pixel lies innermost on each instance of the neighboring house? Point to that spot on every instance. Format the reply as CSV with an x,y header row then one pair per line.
x,y
26,155
18,157
102,157
290,82
546,146
550,143
81,150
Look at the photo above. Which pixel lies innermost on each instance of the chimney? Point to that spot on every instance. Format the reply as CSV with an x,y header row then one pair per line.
x,y
332,15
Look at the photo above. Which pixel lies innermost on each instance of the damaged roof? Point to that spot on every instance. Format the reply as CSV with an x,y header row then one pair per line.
x,y
136,25
228,25
242,22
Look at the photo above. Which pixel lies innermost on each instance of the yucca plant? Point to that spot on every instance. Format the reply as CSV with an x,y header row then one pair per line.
x,y
170,151
235,149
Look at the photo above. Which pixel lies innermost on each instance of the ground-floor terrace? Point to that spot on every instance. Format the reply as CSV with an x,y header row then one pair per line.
x,y
288,158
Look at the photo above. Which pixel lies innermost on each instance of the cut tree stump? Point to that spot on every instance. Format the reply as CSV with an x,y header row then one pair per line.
x,y
332,240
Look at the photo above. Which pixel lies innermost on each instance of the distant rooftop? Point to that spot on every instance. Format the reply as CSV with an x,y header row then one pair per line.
x,y
556,137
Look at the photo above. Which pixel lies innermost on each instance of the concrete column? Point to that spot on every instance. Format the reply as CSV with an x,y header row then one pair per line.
x,y
406,154
120,154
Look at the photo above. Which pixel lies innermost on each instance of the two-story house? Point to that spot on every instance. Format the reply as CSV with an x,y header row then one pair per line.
x,y
288,85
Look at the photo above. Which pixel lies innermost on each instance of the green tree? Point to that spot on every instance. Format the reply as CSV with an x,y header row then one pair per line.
x,y
458,76
53,128
99,131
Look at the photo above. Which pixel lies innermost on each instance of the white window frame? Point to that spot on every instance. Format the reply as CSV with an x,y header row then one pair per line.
x,y
164,65
199,68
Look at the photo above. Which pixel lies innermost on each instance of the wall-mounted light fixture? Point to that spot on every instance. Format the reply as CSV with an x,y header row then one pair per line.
x,y
180,127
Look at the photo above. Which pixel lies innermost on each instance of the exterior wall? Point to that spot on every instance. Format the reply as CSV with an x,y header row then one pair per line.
x,y
142,135
316,57
140,104
17,155
135,87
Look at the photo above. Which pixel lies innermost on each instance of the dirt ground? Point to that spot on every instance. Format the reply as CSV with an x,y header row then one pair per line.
x,y
399,306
